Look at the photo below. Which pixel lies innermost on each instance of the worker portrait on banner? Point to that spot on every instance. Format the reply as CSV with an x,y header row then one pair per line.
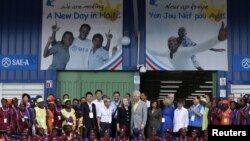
x,y
190,35
82,35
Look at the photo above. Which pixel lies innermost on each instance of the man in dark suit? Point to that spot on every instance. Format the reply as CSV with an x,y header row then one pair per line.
x,y
89,114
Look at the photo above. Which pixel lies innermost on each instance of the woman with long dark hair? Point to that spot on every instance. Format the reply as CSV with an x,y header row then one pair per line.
x,y
60,51
154,118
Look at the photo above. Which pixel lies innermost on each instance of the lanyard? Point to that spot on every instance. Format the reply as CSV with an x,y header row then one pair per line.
x,y
4,112
59,110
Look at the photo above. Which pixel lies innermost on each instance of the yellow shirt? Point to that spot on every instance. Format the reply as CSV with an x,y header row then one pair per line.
x,y
66,115
41,117
136,105
80,124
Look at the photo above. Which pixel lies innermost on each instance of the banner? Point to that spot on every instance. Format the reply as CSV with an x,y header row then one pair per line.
x,y
97,31
183,35
18,62
241,63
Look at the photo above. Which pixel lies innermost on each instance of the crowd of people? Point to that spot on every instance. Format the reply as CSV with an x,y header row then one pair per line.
x,y
119,119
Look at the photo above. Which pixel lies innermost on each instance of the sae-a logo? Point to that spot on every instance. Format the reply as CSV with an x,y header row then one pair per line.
x,y
241,63
18,62
6,62
245,63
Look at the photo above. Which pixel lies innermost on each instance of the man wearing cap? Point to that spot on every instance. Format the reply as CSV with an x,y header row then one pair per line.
x,y
138,113
39,117
31,110
196,112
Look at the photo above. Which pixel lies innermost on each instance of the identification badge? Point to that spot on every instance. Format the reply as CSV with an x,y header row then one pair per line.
x,y
225,120
25,117
23,120
91,115
5,120
162,120
192,118
110,120
59,117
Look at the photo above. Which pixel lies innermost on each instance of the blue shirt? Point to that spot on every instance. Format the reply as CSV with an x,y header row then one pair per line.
x,y
168,115
114,105
97,58
195,120
60,57
234,117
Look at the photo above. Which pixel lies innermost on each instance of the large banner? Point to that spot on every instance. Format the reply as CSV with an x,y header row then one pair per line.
x,y
184,35
82,35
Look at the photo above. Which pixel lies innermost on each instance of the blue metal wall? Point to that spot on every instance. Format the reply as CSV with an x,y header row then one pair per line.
x,y
238,40
20,33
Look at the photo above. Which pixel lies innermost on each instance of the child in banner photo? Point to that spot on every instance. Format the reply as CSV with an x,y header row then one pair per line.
x,y
60,51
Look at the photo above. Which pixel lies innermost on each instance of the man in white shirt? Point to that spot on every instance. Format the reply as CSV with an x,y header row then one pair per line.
x,y
98,101
79,50
144,98
105,117
180,116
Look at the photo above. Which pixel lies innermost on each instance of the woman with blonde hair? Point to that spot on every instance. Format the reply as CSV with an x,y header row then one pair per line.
x,y
167,115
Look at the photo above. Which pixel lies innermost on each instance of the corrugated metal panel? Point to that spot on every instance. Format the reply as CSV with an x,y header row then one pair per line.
x,y
11,90
238,40
76,84
20,33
